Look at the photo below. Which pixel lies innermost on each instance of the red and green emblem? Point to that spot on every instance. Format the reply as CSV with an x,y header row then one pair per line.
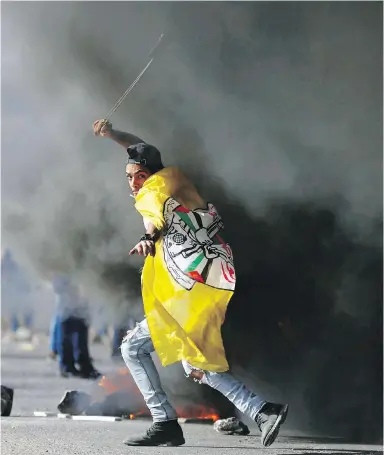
x,y
194,250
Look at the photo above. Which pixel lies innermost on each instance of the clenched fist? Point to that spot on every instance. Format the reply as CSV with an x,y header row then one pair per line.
x,y
102,128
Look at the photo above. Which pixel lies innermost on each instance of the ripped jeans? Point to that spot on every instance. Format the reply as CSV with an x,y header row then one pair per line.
x,y
136,350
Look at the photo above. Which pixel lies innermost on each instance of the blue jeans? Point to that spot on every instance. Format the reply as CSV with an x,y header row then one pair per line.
x,y
26,317
55,335
56,338
136,350
74,344
14,323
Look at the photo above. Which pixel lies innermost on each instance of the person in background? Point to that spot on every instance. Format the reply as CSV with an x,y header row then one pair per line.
x,y
72,312
15,293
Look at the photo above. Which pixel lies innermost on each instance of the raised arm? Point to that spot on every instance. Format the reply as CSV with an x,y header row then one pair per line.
x,y
104,129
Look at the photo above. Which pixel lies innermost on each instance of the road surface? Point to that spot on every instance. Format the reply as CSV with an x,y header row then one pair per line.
x,y
38,387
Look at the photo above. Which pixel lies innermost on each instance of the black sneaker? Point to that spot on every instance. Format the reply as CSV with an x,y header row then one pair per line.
x,y
269,420
167,433
90,374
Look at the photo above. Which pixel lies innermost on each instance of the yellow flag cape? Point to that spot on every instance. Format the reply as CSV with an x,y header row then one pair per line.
x,y
188,284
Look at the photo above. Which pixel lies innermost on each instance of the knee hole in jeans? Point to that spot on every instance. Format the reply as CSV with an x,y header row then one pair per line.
x,y
196,375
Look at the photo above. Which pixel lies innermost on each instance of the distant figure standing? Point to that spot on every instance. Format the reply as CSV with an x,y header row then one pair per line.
x,y
72,332
15,293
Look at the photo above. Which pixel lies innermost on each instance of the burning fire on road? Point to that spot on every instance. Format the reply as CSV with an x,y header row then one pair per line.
x,y
123,384
118,396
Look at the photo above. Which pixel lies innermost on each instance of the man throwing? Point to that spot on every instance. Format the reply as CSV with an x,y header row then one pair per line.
x,y
188,280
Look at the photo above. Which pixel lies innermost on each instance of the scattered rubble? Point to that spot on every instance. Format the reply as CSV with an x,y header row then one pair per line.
x,y
231,426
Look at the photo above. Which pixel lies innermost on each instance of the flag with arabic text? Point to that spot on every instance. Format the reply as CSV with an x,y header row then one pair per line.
x,y
188,284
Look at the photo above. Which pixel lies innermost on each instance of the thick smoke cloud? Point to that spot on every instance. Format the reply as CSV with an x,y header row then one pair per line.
x,y
275,110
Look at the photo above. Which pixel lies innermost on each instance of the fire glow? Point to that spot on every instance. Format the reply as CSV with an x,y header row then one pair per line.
x,y
123,382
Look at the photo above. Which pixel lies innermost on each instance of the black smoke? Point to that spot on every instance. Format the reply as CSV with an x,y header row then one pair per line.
x,y
275,110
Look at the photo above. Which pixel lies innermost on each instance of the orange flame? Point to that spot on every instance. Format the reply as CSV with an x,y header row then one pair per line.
x,y
199,412
123,381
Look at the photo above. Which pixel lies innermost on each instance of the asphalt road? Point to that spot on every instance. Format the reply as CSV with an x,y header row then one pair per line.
x,y
38,387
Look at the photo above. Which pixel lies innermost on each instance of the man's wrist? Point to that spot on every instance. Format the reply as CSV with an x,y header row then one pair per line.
x,y
110,134
147,237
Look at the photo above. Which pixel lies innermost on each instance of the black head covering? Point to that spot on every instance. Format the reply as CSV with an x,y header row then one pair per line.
x,y
145,154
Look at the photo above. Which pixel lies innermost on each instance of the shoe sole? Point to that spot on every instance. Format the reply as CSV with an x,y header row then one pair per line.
x,y
274,431
173,443
176,443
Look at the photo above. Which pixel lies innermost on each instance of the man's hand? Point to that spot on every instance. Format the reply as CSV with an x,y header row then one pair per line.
x,y
143,248
102,128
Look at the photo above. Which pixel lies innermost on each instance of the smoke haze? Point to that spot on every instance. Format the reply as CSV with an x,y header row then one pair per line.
x,y
275,110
